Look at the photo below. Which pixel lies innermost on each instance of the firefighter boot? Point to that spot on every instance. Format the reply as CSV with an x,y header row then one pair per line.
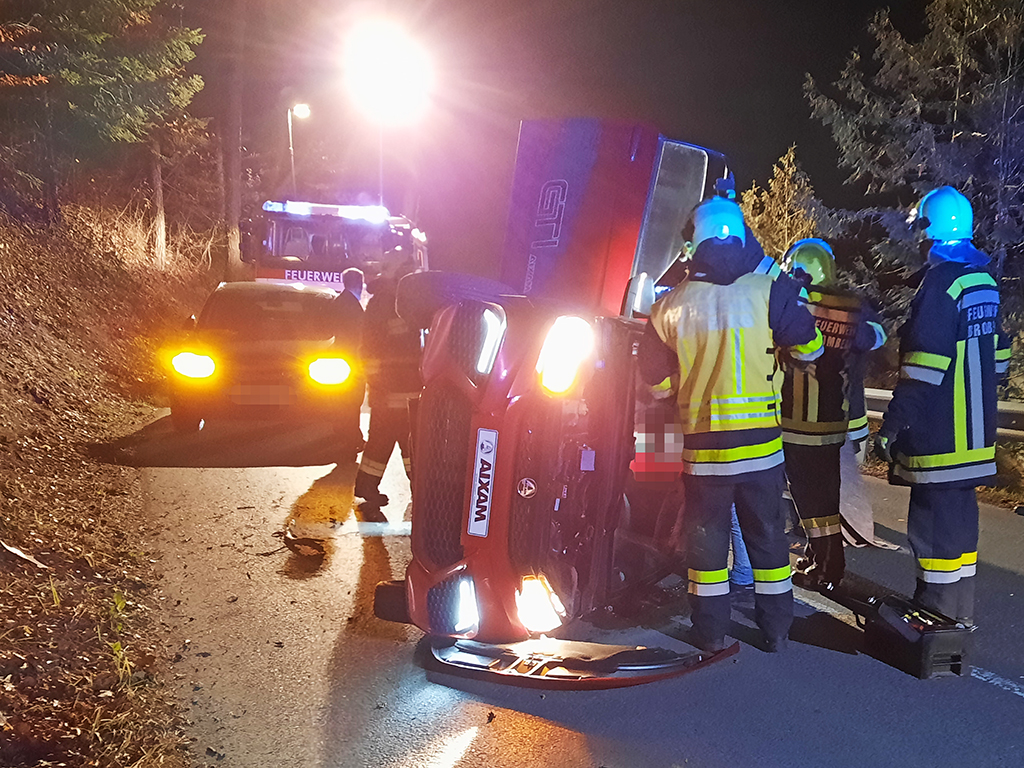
x,y
366,488
823,563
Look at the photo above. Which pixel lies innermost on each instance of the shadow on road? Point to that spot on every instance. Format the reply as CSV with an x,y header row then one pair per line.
x,y
224,444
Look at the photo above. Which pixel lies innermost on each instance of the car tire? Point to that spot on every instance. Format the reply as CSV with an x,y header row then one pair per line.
x,y
185,420
390,602
421,294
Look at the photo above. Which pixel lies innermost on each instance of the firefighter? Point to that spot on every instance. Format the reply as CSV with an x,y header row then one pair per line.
x,y
719,328
391,353
940,428
348,336
815,416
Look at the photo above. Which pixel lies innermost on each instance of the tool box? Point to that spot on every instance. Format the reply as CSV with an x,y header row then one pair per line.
x,y
921,643
899,633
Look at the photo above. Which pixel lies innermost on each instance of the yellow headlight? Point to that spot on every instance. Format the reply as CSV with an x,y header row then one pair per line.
x,y
538,606
569,342
329,370
193,366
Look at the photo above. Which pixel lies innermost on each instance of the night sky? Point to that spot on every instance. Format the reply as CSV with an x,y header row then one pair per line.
x,y
727,75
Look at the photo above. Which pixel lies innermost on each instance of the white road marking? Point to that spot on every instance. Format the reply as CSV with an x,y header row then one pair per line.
x,y
1000,682
355,528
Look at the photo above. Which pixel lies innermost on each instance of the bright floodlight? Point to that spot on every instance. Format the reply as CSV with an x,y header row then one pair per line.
x,y
388,74
301,111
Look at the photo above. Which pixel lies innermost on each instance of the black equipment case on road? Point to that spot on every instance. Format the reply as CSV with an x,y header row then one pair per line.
x,y
921,643
897,632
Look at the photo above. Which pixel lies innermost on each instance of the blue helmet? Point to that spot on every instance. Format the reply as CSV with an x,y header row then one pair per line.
x,y
945,215
719,218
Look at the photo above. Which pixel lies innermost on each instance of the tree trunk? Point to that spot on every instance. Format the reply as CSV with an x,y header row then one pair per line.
x,y
232,144
51,199
159,217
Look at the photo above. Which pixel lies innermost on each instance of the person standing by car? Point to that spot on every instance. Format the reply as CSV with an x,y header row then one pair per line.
x,y
815,410
348,338
391,353
720,327
940,428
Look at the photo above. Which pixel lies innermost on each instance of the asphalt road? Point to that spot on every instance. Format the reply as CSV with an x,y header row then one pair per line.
x,y
280,661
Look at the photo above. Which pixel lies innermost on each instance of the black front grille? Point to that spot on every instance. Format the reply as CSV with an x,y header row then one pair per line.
x,y
443,605
441,465
528,516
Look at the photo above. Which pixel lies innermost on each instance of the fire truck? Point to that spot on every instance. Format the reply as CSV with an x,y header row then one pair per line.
x,y
313,243
526,516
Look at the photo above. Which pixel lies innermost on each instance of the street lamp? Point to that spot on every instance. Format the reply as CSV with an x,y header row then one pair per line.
x,y
300,111
389,77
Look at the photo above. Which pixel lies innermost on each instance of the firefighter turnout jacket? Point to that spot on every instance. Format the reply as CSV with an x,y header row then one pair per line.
x,y
391,350
815,400
942,418
724,324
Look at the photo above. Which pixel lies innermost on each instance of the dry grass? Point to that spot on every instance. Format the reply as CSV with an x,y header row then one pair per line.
x,y
81,660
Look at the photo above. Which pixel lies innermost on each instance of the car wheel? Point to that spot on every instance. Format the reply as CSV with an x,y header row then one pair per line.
x,y
185,420
390,602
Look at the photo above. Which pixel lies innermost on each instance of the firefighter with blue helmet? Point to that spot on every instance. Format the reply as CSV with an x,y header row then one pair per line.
x,y
815,407
940,428
717,330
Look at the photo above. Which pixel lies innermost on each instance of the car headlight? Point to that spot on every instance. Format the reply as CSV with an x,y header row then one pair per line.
x,y
329,370
568,344
193,366
539,608
467,615
494,332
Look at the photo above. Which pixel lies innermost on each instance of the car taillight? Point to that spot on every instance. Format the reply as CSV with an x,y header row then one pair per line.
x,y
567,346
193,366
329,371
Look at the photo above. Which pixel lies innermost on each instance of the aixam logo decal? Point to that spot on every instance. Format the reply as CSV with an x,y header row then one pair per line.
x,y
527,488
483,475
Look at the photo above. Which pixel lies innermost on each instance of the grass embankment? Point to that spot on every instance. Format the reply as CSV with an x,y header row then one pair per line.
x,y
80,659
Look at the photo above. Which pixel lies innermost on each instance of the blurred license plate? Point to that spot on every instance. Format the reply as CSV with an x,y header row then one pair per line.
x,y
262,394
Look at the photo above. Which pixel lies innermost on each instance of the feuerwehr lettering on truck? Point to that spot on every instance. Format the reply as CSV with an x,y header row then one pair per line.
x,y
483,476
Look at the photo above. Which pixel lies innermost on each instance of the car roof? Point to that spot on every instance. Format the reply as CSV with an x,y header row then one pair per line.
x,y
258,290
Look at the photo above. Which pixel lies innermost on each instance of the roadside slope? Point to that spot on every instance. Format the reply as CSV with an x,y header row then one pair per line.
x,y
79,664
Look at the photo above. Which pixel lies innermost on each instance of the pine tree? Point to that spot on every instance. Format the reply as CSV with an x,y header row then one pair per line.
x,y
945,109
77,76
784,212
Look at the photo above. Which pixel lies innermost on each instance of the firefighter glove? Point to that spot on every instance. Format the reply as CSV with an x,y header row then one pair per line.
x,y
882,448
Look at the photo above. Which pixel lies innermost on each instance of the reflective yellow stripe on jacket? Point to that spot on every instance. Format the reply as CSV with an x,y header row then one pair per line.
x,y
728,380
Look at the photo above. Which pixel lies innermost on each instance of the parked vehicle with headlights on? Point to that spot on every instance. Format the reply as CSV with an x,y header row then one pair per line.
x,y
266,351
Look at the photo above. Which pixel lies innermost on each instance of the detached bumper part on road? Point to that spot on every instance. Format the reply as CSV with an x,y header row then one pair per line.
x,y
568,664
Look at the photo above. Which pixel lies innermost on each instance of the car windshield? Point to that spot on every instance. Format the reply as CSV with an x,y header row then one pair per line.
x,y
271,317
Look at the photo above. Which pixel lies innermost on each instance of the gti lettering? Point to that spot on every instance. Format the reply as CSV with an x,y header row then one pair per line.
x,y
483,491
550,211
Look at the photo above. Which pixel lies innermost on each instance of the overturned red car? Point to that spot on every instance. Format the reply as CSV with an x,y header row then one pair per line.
x,y
526,514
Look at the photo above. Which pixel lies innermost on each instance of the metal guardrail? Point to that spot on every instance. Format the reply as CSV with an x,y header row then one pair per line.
x,y
1010,419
